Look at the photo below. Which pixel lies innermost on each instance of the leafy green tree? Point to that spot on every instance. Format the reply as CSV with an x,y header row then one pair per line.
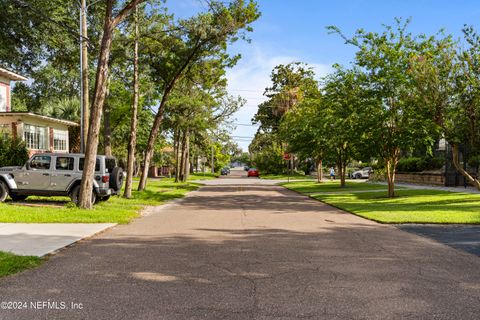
x,y
13,152
394,121
448,87
203,37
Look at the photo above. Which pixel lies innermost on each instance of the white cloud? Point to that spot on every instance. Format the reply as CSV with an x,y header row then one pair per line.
x,y
250,77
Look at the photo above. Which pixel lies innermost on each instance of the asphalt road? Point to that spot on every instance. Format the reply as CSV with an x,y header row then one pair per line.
x,y
251,251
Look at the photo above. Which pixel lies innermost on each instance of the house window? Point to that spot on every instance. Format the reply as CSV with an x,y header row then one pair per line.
x,y
34,136
60,140
5,131
3,98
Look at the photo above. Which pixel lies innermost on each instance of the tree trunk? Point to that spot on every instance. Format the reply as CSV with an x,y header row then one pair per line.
x,y
133,122
465,174
178,157
343,175
319,170
107,130
85,198
86,189
186,169
152,137
85,89
183,156
340,167
391,166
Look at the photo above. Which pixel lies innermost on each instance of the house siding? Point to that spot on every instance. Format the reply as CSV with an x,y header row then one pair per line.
x,y
17,122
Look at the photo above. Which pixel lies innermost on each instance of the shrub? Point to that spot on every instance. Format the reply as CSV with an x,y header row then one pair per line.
x,y
13,152
415,164
474,161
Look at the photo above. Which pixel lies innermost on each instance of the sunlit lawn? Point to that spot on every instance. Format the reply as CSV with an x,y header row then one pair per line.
x,y
116,209
286,177
409,206
332,186
10,263
203,176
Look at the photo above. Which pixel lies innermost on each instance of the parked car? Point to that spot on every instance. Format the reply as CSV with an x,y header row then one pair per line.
x,y
363,173
246,168
252,172
225,171
59,174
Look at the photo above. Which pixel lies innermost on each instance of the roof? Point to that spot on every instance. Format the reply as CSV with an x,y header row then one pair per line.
x,y
11,75
33,115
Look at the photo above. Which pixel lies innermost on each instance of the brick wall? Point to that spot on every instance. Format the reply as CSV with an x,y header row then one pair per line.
x,y
437,179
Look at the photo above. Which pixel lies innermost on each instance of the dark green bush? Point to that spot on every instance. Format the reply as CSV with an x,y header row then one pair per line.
x,y
474,161
416,164
13,152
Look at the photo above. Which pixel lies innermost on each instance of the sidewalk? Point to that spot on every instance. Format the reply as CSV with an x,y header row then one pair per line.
x,y
39,239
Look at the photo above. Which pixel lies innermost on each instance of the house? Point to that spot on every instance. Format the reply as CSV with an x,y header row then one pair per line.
x,y
40,133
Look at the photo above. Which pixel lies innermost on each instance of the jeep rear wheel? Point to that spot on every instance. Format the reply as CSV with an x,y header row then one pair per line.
x,y
75,195
105,198
3,191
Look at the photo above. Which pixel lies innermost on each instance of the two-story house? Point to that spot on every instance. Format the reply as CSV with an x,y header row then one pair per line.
x,y
40,133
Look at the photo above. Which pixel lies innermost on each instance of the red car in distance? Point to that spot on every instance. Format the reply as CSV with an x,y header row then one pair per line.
x,y
253,172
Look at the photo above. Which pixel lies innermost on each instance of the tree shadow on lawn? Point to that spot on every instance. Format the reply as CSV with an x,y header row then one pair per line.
x,y
215,273
406,200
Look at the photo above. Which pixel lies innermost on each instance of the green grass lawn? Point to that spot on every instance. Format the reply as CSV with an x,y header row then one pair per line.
x,y
331,186
410,206
285,177
10,263
116,210
203,176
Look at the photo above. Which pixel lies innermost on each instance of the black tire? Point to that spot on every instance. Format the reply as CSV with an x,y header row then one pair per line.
x,y
116,179
103,198
358,176
75,194
3,191
18,197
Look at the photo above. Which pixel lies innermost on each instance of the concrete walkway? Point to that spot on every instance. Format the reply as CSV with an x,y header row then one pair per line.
x,y
251,251
39,239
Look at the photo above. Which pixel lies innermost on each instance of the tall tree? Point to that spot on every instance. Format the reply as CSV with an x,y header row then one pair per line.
x,y
448,87
111,21
133,125
196,39
396,124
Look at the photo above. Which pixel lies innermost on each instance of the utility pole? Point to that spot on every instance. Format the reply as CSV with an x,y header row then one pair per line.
x,y
84,96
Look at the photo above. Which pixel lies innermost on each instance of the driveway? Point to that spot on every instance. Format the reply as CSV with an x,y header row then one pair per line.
x,y
251,251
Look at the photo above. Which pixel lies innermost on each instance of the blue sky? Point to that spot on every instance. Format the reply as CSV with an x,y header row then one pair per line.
x,y
291,30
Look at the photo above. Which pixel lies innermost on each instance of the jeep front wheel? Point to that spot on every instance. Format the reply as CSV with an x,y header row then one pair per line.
x,y
75,195
3,191
18,197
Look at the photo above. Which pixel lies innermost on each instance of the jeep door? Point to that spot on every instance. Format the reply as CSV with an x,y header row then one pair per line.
x,y
37,174
63,173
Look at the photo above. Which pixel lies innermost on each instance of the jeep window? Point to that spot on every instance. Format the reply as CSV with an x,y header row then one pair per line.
x,y
81,163
64,163
110,164
40,163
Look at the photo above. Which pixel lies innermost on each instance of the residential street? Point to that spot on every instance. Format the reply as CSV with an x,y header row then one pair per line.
x,y
246,249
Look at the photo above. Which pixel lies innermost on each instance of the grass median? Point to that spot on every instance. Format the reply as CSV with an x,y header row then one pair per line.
x,y
115,210
332,186
286,177
10,263
409,206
